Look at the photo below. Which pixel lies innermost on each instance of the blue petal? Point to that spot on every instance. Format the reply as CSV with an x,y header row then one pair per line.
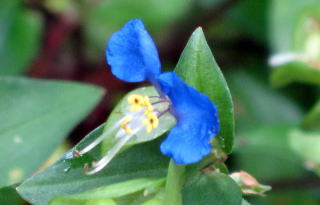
x,y
189,141
132,54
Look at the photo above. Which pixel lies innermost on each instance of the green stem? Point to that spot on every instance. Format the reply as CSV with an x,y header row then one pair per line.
x,y
175,180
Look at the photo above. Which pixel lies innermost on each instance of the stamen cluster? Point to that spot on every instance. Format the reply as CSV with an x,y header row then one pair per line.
x,y
141,104
142,114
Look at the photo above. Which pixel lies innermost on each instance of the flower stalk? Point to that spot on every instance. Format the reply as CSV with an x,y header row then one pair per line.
x,y
175,181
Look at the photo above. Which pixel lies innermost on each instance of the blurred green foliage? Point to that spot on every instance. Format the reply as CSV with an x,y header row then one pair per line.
x,y
35,117
104,17
276,139
20,37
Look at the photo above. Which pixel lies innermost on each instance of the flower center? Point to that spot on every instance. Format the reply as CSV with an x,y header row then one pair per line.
x,y
142,112
142,115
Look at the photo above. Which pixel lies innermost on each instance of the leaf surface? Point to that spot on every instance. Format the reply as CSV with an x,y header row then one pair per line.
x,y
36,115
66,176
217,189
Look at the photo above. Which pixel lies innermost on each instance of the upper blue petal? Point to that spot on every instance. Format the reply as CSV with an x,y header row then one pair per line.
x,y
197,121
132,54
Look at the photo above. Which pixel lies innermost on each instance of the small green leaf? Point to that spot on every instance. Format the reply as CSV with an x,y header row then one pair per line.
x,y
112,191
66,176
294,72
20,37
36,115
165,122
199,69
217,189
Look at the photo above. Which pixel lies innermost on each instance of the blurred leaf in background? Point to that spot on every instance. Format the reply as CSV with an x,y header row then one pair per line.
x,y
306,145
20,37
284,22
292,196
295,41
102,18
257,105
35,118
264,119
244,19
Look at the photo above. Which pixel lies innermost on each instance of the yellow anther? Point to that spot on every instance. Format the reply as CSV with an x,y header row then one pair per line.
x,y
124,125
151,122
137,101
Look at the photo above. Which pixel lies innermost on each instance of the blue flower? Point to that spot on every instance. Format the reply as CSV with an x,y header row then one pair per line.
x,y
133,57
197,121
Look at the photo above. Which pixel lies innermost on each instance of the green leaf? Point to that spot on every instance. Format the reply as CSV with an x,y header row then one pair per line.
x,y
165,122
66,176
294,72
102,18
36,115
20,37
257,105
216,189
112,191
9,196
199,69
266,154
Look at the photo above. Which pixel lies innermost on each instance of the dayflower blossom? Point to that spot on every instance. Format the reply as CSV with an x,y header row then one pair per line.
x,y
133,57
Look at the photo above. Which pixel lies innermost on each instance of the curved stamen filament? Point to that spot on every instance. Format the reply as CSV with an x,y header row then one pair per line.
x,y
142,115
160,114
154,96
97,166
160,101
93,144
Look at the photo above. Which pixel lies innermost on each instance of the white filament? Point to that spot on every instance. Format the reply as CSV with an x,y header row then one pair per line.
x,y
111,154
101,137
